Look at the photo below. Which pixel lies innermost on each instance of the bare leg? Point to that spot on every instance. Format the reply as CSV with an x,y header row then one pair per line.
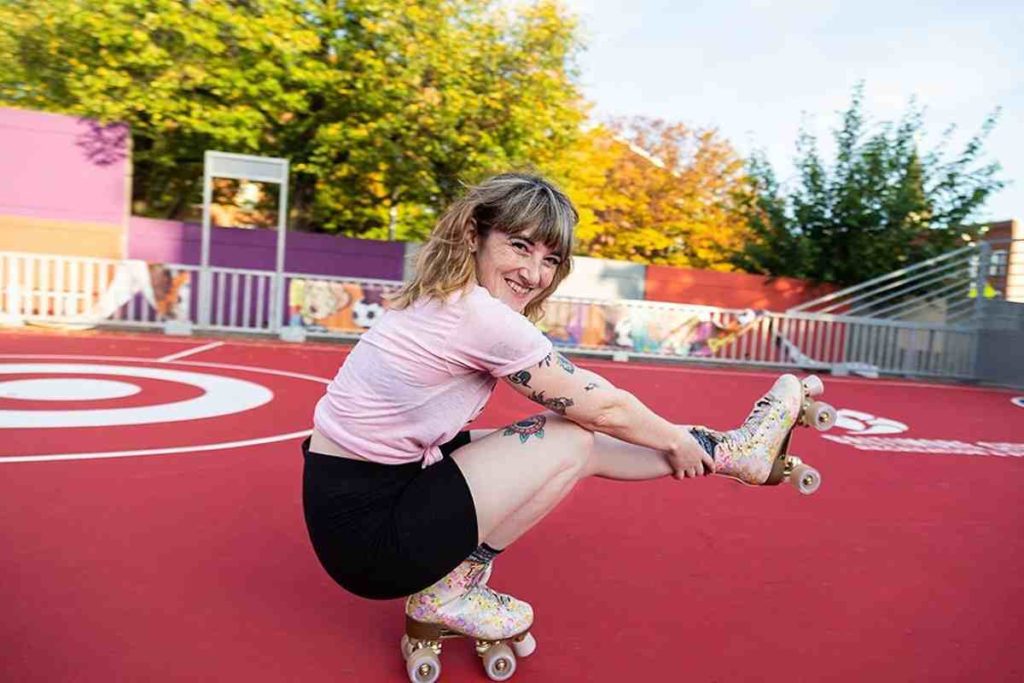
x,y
517,476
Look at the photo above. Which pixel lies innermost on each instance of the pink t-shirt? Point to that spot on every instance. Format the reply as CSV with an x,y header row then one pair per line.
x,y
420,374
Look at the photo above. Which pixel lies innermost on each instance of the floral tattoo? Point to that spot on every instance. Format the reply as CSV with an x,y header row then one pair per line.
x,y
558,405
531,426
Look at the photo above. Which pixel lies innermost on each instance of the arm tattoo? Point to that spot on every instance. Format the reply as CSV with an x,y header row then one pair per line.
x,y
531,426
522,377
591,385
565,364
545,362
558,405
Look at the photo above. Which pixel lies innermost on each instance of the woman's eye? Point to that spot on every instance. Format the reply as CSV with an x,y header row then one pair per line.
x,y
553,262
520,246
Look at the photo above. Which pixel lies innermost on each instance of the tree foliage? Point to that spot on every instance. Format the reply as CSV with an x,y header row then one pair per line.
x,y
383,106
880,205
656,192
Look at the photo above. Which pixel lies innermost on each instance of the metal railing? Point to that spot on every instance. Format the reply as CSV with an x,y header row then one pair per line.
x,y
68,290
945,289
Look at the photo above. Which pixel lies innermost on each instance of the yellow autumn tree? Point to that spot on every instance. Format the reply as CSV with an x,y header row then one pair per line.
x,y
650,191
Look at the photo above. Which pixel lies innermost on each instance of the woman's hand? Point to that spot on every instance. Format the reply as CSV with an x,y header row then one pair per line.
x,y
688,458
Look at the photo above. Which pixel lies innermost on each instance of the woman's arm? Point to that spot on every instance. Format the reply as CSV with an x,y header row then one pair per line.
x,y
591,401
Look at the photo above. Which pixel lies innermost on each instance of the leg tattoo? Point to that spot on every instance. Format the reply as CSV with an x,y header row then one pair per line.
x,y
531,426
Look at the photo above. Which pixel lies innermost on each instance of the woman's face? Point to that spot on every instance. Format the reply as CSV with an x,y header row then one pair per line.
x,y
513,268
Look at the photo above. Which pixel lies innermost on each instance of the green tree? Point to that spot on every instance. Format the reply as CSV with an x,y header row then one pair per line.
x,y
383,106
882,203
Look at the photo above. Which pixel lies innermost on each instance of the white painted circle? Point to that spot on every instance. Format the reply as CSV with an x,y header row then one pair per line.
x,y
66,389
1018,401
173,450
222,396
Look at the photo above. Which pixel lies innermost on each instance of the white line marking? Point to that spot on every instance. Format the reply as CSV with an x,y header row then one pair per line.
x,y
158,451
189,352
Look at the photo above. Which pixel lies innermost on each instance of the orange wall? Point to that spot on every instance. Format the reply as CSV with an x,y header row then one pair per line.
x,y
728,290
71,238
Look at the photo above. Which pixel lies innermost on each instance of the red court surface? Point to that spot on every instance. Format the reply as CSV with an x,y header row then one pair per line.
x,y
141,549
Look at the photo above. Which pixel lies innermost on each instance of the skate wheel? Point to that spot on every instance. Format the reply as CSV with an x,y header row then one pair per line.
x,y
524,645
423,666
406,647
499,662
813,385
821,416
805,479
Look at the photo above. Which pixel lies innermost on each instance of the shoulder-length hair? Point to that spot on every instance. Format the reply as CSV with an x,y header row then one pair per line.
x,y
513,203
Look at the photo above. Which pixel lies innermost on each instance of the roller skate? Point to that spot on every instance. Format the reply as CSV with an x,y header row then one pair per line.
x,y
757,452
461,605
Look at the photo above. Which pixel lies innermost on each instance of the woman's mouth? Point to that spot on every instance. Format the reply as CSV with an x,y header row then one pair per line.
x,y
517,288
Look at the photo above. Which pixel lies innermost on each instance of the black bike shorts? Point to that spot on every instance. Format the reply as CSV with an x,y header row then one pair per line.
x,y
388,531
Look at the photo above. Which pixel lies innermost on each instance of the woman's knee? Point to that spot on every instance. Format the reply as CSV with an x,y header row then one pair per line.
x,y
577,444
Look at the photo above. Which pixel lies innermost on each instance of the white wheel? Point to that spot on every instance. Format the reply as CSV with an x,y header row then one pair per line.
x,y
805,479
821,416
406,647
525,645
813,385
423,666
499,662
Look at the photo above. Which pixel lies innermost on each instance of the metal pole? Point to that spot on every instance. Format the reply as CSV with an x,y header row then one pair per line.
x,y
980,280
205,291
277,304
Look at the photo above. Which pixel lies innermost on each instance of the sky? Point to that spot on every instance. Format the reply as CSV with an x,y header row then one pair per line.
x,y
758,70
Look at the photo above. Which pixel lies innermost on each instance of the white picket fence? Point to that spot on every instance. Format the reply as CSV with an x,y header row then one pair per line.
x,y
76,291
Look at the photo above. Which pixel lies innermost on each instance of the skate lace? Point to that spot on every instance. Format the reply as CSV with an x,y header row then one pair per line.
x,y
500,598
753,421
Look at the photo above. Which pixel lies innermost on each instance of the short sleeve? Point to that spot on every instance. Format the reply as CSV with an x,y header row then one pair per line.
x,y
495,339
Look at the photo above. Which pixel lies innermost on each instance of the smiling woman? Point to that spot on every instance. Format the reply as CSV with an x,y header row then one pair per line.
x,y
400,500
513,234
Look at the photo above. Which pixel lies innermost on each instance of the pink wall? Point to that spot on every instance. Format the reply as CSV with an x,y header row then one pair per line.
x,y
62,167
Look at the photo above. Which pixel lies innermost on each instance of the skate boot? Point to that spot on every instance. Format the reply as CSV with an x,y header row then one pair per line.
x,y
757,452
462,605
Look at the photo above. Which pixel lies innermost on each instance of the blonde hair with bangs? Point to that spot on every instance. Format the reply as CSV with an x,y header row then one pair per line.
x,y
512,203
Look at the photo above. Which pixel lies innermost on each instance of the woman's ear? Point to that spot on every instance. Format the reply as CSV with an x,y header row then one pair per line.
x,y
471,236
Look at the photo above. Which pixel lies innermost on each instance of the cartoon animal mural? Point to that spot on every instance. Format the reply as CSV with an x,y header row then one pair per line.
x,y
330,306
171,292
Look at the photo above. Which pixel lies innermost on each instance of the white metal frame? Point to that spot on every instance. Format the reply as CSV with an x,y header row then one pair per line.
x,y
243,167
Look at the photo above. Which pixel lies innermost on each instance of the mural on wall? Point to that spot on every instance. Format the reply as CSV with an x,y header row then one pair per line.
x,y
326,306
170,292
677,332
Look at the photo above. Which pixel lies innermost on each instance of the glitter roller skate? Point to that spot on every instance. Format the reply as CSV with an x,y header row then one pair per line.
x,y
461,605
757,452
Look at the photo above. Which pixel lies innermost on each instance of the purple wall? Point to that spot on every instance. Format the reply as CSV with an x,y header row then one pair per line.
x,y
62,167
161,241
